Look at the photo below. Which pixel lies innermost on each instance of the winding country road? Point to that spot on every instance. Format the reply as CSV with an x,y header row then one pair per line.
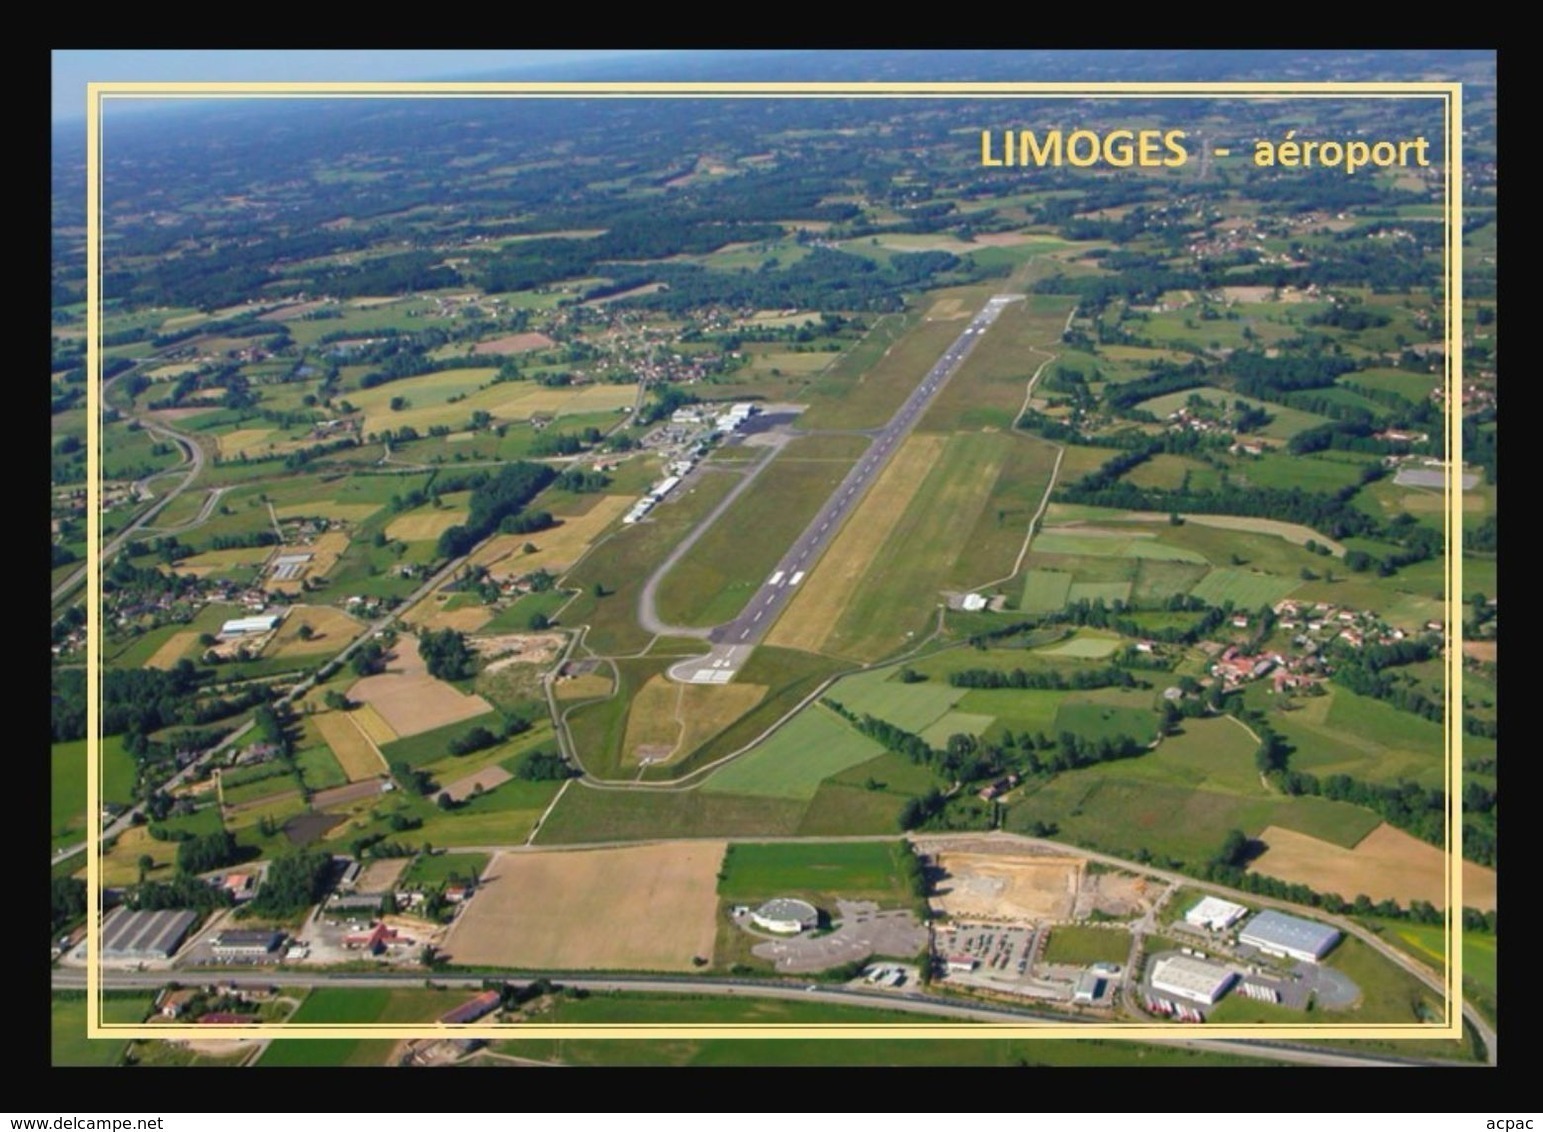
x,y
194,453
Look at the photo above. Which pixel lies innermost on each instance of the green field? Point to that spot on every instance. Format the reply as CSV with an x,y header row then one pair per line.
x,y
817,872
586,814
430,871
815,744
1428,943
1211,754
725,567
1045,591
338,1005
1079,945
881,693
69,1044
1283,470
1137,544
1016,709
1413,387
1105,807
827,1054
988,389
1085,644
1245,589
67,784
790,675
1101,720
427,746
1344,733
1287,423
319,769
953,723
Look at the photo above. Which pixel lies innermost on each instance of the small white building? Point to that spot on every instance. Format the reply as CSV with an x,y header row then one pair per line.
x,y
786,915
1215,914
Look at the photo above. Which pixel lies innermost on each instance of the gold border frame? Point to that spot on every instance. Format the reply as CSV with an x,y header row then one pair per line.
x,y
1450,93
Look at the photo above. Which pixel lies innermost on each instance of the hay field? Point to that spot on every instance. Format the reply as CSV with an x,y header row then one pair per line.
x,y
1005,887
213,561
487,778
380,875
425,525
811,615
1291,532
561,400
376,729
928,548
468,619
514,344
590,686
328,509
243,442
644,908
172,650
1386,863
354,750
669,719
557,548
331,629
410,700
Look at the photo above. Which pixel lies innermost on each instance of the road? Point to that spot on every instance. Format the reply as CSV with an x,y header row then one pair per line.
x,y
195,467
1418,970
928,843
733,640
913,1002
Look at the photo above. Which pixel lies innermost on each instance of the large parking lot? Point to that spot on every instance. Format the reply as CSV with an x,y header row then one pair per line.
x,y
861,931
1004,958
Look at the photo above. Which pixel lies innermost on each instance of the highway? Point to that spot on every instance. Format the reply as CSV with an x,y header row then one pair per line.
x,y
916,1001
733,640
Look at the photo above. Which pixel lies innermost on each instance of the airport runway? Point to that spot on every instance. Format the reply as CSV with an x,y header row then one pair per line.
x,y
732,642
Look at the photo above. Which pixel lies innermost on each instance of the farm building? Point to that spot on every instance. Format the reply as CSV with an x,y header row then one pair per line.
x,y
1193,979
145,935
469,1011
246,942
288,567
1276,933
246,626
1214,913
786,914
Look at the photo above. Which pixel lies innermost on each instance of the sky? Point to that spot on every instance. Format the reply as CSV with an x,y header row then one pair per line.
x,y
72,70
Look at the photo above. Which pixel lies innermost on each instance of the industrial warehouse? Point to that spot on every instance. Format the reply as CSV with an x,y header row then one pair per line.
x,y
1194,979
1276,933
129,935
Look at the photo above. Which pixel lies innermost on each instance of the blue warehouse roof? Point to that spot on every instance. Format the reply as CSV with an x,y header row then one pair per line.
x,y
1281,930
